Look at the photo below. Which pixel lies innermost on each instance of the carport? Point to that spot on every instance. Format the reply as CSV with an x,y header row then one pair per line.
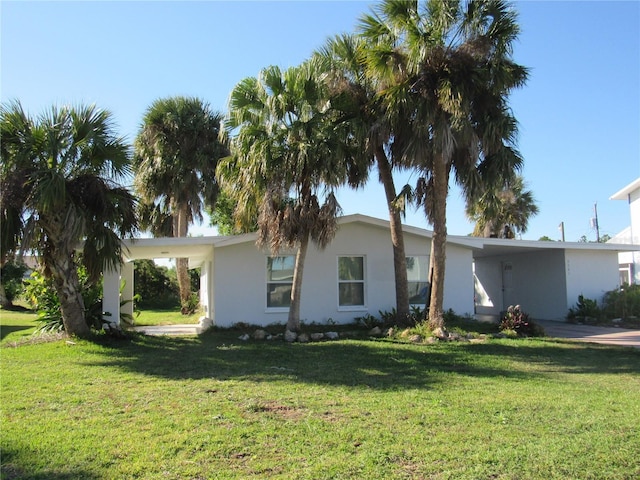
x,y
545,278
199,251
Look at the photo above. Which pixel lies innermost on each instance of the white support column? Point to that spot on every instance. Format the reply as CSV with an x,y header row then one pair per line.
x,y
111,297
127,291
206,300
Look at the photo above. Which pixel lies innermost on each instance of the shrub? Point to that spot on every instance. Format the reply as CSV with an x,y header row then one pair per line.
x,y
516,320
623,302
41,295
586,310
155,285
192,304
368,321
11,276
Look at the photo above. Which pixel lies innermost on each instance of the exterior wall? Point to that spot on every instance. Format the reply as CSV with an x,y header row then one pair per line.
x,y
590,273
537,283
634,207
458,280
240,278
238,285
630,261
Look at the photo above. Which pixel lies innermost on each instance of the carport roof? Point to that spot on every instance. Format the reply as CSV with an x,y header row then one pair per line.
x,y
199,249
196,249
489,247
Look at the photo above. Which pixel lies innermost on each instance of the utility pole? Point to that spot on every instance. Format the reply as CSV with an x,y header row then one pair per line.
x,y
561,227
595,221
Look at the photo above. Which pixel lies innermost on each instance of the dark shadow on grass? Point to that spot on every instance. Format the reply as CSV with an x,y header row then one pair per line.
x,y
9,329
565,355
374,364
15,467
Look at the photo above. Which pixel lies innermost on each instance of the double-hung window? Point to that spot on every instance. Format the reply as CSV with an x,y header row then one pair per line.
x,y
280,280
351,284
418,279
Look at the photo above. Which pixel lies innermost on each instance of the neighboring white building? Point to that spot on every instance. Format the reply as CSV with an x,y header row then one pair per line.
x,y
354,275
630,261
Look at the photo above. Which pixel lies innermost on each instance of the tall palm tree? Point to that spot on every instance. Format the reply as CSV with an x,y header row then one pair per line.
x,y
59,194
354,96
446,68
286,159
502,213
176,153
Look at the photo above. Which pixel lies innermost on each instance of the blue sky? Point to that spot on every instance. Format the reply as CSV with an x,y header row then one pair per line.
x,y
579,113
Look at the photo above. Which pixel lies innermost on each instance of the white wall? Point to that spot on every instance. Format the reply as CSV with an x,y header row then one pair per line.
x,y
634,207
458,280
537,284
590,273
240,278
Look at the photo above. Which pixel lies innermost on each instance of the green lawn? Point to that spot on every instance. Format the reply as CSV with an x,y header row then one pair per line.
x,y
214,407
164,317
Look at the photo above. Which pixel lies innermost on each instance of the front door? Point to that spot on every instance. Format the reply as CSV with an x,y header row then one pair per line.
x,y
507,285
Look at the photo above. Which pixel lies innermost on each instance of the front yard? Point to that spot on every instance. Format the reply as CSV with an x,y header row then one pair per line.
x,y
215,407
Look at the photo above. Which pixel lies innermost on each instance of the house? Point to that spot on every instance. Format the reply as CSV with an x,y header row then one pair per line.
x,y
354,275
629,260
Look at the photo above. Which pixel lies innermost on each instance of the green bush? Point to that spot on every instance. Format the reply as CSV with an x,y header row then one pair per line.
x,y
623,302
586,310
156,286
41,295
11,276
516,320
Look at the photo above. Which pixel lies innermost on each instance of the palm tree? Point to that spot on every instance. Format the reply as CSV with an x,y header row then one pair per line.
x,y
354,96
445,68
287,156
59,195
504,212
176,154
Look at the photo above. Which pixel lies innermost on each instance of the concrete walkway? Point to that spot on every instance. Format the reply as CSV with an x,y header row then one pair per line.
x,y
170,330
588,333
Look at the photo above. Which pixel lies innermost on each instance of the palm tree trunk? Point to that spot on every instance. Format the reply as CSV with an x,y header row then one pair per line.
x,y
182,264
397,237
440,176
293,322
67,285
4,300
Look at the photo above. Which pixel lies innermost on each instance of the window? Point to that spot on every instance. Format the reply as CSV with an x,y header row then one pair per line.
x,y
418,279
351,281
280,280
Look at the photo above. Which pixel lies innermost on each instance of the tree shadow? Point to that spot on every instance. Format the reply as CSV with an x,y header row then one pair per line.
x,y
9,329
567,356
375,364
15,467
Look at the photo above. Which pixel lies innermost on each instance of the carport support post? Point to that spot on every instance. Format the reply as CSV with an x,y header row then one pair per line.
x,y
111,297
127,292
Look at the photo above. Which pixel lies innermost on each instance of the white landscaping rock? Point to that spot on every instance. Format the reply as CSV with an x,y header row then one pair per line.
x,y
303,338
259,334
290,336
331,335
204,324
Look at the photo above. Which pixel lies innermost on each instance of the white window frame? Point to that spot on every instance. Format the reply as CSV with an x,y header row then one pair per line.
x,y
268,282
352,308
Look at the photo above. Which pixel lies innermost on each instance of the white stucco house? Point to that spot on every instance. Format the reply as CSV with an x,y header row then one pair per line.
x,y
354,275
630,260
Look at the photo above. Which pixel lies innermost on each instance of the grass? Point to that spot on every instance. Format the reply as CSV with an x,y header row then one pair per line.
x,y
214,407
173,316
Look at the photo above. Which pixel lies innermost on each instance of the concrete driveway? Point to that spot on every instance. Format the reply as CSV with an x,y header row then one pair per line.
x,y
588,333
